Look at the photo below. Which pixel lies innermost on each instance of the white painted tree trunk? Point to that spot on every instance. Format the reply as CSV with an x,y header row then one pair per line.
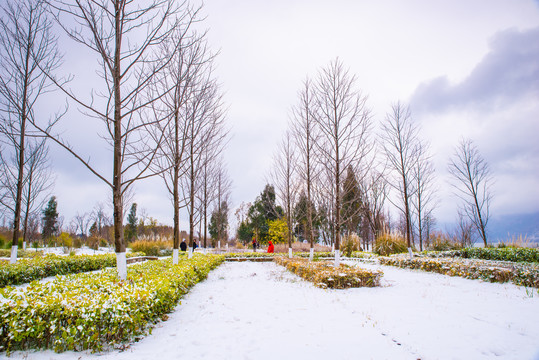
x,y
189,252
311,254
13,258
410,253
290,253
337,258
24,245
333,248
121,265
219,244
175,256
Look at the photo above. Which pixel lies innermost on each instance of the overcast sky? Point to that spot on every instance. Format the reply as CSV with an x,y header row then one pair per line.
x,y
467,69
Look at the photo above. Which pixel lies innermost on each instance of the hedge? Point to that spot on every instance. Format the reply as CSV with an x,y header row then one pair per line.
x,y
96,311
324,274
29,269
500,254
519,274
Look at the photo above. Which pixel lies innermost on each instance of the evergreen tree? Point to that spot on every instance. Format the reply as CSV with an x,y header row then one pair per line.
x,y
262,211
131,229
219,223
351,202
50,219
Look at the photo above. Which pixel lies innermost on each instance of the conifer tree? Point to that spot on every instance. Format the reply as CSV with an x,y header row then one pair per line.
x,y
50,219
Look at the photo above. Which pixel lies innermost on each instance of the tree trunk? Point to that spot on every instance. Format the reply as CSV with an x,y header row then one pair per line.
x,y
117,164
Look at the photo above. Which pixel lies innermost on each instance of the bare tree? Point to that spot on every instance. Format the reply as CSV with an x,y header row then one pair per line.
x,y
205,121
221,197
400,143
190,60
472,184
344,123
38,183
305,134
81,223
424,201
125,38
27,50
284,177
374,189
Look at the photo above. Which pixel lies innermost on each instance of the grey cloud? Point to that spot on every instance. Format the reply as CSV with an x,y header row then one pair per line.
x,y
509,71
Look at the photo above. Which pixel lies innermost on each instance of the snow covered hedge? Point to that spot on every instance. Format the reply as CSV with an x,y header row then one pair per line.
x,y
29,269
94,310
501,254
324,274
519,274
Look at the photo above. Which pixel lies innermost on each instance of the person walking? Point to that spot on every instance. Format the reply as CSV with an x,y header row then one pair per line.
x,y
254,244
183,245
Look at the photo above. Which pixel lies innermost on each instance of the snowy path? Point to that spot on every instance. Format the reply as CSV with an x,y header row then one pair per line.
x,y
260,311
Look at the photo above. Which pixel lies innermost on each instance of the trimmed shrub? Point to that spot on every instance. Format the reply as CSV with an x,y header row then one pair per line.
x,y
325,275
519,274
387,244
96,311
29,269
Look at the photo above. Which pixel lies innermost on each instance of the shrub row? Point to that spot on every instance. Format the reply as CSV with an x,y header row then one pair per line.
x,y
325,275
29,269
92,310
519,274
20,253
500,254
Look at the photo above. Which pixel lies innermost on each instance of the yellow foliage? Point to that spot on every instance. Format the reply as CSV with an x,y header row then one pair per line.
x,y
278,231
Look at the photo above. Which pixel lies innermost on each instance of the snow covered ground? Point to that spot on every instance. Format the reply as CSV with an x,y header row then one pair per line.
x,y
261,311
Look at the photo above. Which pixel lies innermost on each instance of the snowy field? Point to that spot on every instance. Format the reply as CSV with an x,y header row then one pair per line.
x,y
253,311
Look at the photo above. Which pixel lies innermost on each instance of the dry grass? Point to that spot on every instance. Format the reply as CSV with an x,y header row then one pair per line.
x,y
301,247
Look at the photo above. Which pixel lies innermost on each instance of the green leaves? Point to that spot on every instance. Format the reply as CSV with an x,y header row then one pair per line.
x,y
29,269
519,274
92,310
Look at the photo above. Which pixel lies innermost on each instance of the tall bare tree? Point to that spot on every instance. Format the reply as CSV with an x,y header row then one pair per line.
x,y
344,123
400,143
284,177
205,122
305,134
125,37
472,184
424,201
28,48
190,60
375,190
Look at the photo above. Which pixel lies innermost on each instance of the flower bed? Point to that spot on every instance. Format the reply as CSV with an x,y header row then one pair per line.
x,y
26,270
324,274
94,310
519,274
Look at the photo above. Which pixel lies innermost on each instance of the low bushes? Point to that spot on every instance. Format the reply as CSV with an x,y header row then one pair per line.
x,y
93,310
387,244
325,275
501,254
29,269
519,274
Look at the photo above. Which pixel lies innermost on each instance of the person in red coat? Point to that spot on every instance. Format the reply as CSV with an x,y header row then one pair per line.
x,y
270,247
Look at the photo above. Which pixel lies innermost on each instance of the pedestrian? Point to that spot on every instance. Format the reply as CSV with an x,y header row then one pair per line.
x,y
270,247
254,244
194,245
183,245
